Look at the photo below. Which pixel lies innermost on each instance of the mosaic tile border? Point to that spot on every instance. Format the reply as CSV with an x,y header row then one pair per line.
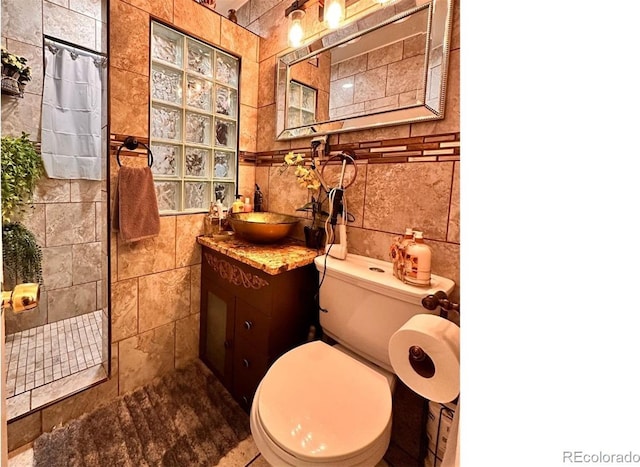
x,y
433,148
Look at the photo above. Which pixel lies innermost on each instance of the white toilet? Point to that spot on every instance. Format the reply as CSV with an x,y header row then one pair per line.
x,y
331,405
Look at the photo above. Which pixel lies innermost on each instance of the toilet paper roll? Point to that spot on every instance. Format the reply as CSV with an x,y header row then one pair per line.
x,y
425,354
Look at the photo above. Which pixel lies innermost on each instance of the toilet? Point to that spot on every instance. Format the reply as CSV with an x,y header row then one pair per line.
x,y
331,405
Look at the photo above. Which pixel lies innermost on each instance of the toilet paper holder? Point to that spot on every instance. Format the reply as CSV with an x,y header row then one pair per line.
x,y
421,362
439,299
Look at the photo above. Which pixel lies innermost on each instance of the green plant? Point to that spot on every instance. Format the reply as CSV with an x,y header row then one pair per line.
x,y
22,167
21,255
15,66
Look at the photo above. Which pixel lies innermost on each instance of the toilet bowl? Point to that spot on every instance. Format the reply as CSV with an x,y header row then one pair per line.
x,y
337,411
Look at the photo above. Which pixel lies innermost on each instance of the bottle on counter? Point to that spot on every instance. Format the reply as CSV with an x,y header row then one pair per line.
x,y
417,265
258,199
398,252
238,205
211,220
247,205
407,237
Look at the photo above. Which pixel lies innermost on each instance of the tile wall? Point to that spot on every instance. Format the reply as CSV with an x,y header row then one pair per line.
x,y
383,79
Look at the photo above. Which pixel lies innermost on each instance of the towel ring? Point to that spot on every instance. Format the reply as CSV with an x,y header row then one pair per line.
x,y
131,143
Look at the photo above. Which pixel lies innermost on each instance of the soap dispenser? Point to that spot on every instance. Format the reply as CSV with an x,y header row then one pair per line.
x,y
417,266
247,205
238,205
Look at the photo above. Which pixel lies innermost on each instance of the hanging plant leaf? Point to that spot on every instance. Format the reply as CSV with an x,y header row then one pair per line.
x,y
22,167
21,254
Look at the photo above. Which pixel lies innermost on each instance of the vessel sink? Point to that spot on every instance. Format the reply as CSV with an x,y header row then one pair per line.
x,y
262,227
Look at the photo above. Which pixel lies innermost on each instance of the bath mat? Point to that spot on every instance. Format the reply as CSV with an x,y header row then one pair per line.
x,y
186,418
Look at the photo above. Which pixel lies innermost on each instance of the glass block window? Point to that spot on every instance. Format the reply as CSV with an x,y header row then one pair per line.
x,y
302,105
194,122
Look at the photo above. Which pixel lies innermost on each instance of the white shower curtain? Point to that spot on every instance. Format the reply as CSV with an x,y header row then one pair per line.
x,y
71,115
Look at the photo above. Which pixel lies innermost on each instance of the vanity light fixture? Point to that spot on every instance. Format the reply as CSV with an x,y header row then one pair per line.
x,y
333,13
296,32
295,13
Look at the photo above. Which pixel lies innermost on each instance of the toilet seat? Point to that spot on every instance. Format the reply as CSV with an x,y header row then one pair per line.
x,y
319,405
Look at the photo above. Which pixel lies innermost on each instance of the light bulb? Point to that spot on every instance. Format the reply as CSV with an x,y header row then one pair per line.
x,y
296,33
333,13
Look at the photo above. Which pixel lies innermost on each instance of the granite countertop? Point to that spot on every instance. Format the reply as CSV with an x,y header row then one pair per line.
x,y
272,259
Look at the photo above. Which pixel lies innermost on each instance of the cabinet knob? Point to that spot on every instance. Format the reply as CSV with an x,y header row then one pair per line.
x,y
227,344
245,363
245,399
248,325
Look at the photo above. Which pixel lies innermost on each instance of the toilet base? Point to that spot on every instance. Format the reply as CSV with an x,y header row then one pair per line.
x,y
276,456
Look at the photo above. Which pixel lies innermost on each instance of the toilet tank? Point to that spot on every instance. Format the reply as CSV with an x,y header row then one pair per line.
x,y
365,303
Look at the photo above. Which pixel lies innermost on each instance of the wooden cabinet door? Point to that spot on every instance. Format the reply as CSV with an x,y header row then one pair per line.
x,y
217,317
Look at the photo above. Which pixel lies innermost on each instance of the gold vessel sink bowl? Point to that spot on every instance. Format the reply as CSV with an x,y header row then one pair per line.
x,y
262,227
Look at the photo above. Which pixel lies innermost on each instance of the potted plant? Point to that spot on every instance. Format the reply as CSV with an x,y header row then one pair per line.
x,y
314,234
22,167
15,73
21,255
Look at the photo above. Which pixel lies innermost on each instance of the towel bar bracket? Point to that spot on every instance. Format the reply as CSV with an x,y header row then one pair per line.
x,y
131,143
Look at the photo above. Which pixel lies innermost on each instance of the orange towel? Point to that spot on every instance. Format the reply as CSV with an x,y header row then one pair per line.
x,y
135,212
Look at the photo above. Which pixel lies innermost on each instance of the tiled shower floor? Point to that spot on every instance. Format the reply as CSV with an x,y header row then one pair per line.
x,y
47,353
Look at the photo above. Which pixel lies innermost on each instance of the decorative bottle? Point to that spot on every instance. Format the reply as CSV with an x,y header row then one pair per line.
x,y
247,205
211,225
417,264
397,252
258,199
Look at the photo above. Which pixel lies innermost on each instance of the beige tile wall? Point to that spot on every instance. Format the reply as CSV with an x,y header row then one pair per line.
x,y
381,80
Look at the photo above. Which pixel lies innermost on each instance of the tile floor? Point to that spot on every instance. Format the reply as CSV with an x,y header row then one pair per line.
x,y
43,354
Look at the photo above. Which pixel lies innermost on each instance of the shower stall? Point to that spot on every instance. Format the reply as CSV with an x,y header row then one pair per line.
x,y
62,345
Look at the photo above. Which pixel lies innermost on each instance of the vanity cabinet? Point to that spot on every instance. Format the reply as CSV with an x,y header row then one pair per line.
x,y
249,318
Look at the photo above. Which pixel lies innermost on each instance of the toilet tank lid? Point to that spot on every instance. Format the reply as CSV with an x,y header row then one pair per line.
x,y
377,275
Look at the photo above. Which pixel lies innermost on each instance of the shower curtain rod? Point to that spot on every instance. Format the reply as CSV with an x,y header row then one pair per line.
x,y
78,48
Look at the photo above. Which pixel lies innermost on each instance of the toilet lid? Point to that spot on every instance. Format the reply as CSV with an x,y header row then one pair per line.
x,y
319,404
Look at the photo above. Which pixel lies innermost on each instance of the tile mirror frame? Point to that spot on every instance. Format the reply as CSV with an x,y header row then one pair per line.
x,y
437,27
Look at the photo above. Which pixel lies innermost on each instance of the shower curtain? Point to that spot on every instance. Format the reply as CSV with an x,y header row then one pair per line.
x,y
71,114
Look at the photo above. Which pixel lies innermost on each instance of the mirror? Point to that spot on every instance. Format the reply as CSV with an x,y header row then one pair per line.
x,y
385,68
